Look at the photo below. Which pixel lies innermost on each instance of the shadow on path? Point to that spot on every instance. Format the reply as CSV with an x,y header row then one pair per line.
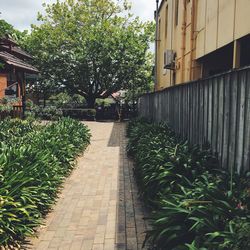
x,y
131,227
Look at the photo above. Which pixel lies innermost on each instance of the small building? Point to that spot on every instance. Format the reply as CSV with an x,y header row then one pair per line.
x,y
199,38
14,68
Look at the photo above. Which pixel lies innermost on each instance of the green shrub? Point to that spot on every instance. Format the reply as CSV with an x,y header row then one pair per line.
x,y
190,198
34,161
64,100
88,114
47,113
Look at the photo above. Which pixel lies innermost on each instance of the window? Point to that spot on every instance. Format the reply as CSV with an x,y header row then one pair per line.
x,y
159,30
176,12
166,22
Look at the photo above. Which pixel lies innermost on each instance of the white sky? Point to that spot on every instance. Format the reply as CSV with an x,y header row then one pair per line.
x,y
22,13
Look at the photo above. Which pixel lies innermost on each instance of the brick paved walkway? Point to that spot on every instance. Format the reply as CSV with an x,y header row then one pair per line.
x,y
98,207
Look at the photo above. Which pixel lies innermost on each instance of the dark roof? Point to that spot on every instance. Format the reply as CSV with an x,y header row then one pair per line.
x,y
161,4
16,50
12,60
7,39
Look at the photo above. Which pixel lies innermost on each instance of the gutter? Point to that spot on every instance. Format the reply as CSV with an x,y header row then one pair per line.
x,y
183,35
192,40
156,42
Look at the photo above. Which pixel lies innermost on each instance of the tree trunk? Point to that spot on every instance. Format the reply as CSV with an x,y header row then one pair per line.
x,y
90,101
44,100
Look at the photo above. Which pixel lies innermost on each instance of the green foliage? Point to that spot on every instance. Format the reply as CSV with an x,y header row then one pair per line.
x,y
45,113
88,114
5,28
90,46
64,100
6,104
142,82
189,196
34,161
105,102
8,29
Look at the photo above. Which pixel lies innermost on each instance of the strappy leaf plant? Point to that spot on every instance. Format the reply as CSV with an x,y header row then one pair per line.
x,y
191,200
34,161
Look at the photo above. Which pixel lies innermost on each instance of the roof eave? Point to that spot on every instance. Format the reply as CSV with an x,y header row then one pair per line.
x,y
23,68
161,4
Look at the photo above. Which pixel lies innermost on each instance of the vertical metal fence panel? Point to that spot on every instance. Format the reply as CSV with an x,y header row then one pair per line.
x,y
246,153
191,105
185,114
173,105
196,120
226,126
233,120
158,110
214,111
168,104
188,114
215,115
177,122
221,102
178,111
205,112
240,120
210,111
164,103
201,113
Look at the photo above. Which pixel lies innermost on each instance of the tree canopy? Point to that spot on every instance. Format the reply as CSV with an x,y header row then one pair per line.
x,y
8,29
91,47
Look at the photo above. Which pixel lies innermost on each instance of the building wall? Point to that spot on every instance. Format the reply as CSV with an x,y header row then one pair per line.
x,y
220,22
3,84
179,39
200,28
163,42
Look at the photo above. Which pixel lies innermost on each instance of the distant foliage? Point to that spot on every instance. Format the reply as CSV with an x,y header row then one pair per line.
x,y
8,29
88,47
50,113
64,100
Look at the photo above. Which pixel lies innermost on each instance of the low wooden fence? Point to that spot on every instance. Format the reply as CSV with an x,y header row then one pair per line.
x,y
215,110
16,112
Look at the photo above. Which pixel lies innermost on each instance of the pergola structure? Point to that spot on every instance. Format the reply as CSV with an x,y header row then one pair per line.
x,y
13,70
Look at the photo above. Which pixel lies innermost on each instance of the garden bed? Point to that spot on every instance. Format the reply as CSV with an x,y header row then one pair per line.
x,y
34,161
194,204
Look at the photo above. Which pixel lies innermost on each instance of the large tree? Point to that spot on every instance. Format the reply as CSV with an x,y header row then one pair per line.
x,y
8,29
90,47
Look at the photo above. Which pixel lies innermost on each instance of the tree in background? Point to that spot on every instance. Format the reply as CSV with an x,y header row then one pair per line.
x,y
8,29
91,47
141,82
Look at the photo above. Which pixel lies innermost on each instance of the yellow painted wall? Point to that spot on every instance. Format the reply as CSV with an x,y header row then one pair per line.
x,y
174,41
220,22
164,42
216,24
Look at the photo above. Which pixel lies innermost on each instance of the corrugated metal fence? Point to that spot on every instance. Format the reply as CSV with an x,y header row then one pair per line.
x,y
214,110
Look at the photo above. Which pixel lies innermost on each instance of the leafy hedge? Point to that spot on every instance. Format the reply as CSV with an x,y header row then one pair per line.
x,y
53,113
45,113
34,161
195,204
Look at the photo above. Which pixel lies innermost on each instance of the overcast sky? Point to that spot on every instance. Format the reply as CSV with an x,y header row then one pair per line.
x,y
22,13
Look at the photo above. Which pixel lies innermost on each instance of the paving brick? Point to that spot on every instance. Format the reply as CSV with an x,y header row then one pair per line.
x,y
98,207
